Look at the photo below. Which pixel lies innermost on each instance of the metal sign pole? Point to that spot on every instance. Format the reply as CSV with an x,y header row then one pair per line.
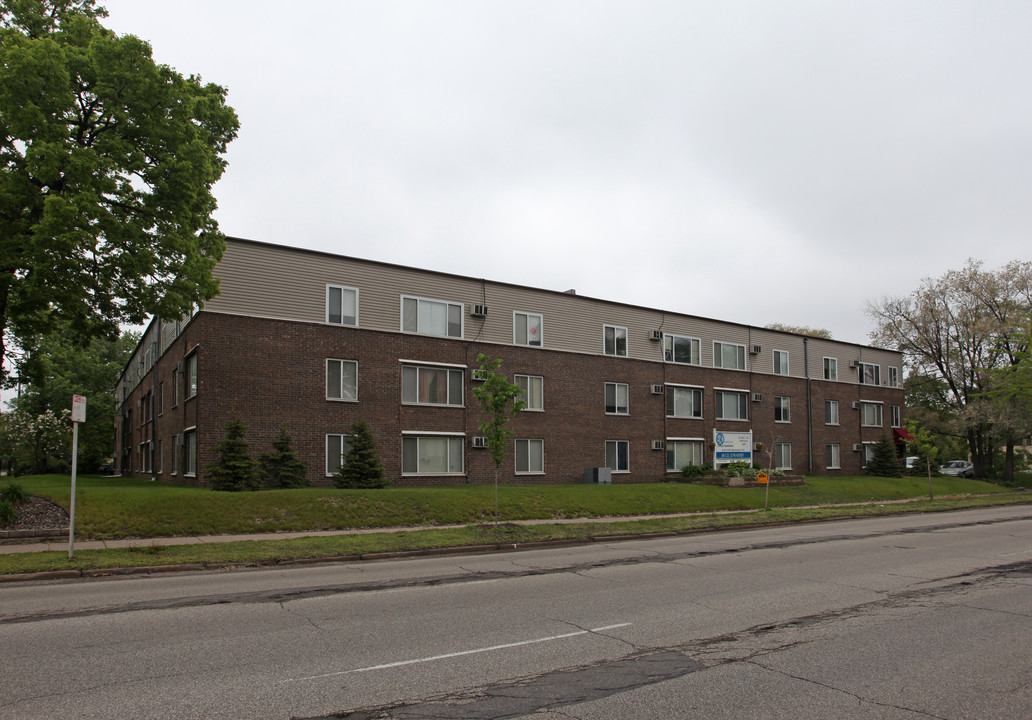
x,y
78,416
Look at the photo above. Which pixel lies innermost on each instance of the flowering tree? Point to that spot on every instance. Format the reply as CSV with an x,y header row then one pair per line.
x,y
35,442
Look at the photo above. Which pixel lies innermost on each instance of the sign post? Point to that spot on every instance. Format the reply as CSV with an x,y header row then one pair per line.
x,y
763,479
78,416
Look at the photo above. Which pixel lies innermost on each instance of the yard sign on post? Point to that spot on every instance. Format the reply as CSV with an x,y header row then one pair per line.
x,y
78,416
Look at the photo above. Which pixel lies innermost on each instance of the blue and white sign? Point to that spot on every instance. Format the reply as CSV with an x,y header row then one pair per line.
x,y
732,447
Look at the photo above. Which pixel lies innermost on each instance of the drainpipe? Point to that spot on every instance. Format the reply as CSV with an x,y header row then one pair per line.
x,y
809,405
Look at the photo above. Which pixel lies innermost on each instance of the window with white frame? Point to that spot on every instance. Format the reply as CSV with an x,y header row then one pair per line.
x,y
341,305
429,385
830,368
533,387
831,412
337,448
782,409
191,376
175,389
780,362
618,455
681,349
614,340
730,356
190,453
732,405
832,460
530,456
161,398
895,412
159,460
177,449
526,329
431,317
866,454
341,379
681,453
616,398
869,374
683,402
432,455
893,376
870,414
783,456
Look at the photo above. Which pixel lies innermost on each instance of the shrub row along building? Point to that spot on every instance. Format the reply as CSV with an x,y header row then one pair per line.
x,y
310,342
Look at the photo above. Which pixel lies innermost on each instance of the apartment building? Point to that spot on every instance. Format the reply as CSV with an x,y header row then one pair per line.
x,y
310,341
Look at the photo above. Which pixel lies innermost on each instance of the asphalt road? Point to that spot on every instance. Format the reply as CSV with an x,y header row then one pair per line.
x,y
924,616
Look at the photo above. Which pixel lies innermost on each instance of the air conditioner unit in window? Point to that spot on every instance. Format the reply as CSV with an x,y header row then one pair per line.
x,y
856,447
480,375
479,441
479,311
755,349
656,335
657,389
179,366
757,397
856,404
658,444
854,364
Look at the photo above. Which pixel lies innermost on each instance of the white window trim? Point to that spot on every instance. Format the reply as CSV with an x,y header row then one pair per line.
x,y
838,412
628,443
432,433
529,472
326,454
186,463
435,366
828,357
745,355
515,379
628,393
541,326
343,399
861,366
893,373
716,405
783,467
684,439
839,454
418,299
627,340
698,360
785,397
702,401
882,413
774,359
326,318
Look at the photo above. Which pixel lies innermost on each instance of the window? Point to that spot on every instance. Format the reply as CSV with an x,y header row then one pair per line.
x,y
616,398
533,387
432,455
526,329
683,402
893,376
783,456
732,405
831,457
190,453
830,368
161,398
530,456
679,349
831,412
175,388
615,340
617,452
782,407
680,453
431,317
341,379
341,305
191,376
866,454
871,414
177,448
337,447
160,457
431,385
780,362
870,374
728,356
894,410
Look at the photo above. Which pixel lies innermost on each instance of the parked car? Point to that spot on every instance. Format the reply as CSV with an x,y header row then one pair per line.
x,y
106,469
959,468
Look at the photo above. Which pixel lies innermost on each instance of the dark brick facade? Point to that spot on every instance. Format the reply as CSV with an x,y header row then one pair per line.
x,y
272,374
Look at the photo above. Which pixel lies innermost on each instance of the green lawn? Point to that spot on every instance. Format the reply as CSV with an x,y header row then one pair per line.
x,y
120,508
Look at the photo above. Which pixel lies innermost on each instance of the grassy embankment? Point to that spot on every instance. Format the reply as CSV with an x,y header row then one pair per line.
x,y
124,508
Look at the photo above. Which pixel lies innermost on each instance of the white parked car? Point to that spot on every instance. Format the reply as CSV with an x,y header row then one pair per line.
x,y
959,468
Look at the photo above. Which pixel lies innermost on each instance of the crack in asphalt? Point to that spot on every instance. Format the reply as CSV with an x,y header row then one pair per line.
x,y
552,691
303,593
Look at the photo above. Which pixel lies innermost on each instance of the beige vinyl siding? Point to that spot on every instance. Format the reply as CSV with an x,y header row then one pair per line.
x,y
288,283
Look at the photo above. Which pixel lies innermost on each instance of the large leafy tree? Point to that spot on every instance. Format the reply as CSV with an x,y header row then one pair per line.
x,y
55,371
957,333
107,162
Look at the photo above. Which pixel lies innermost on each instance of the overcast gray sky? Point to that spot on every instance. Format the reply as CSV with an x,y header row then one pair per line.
x,y
751,161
